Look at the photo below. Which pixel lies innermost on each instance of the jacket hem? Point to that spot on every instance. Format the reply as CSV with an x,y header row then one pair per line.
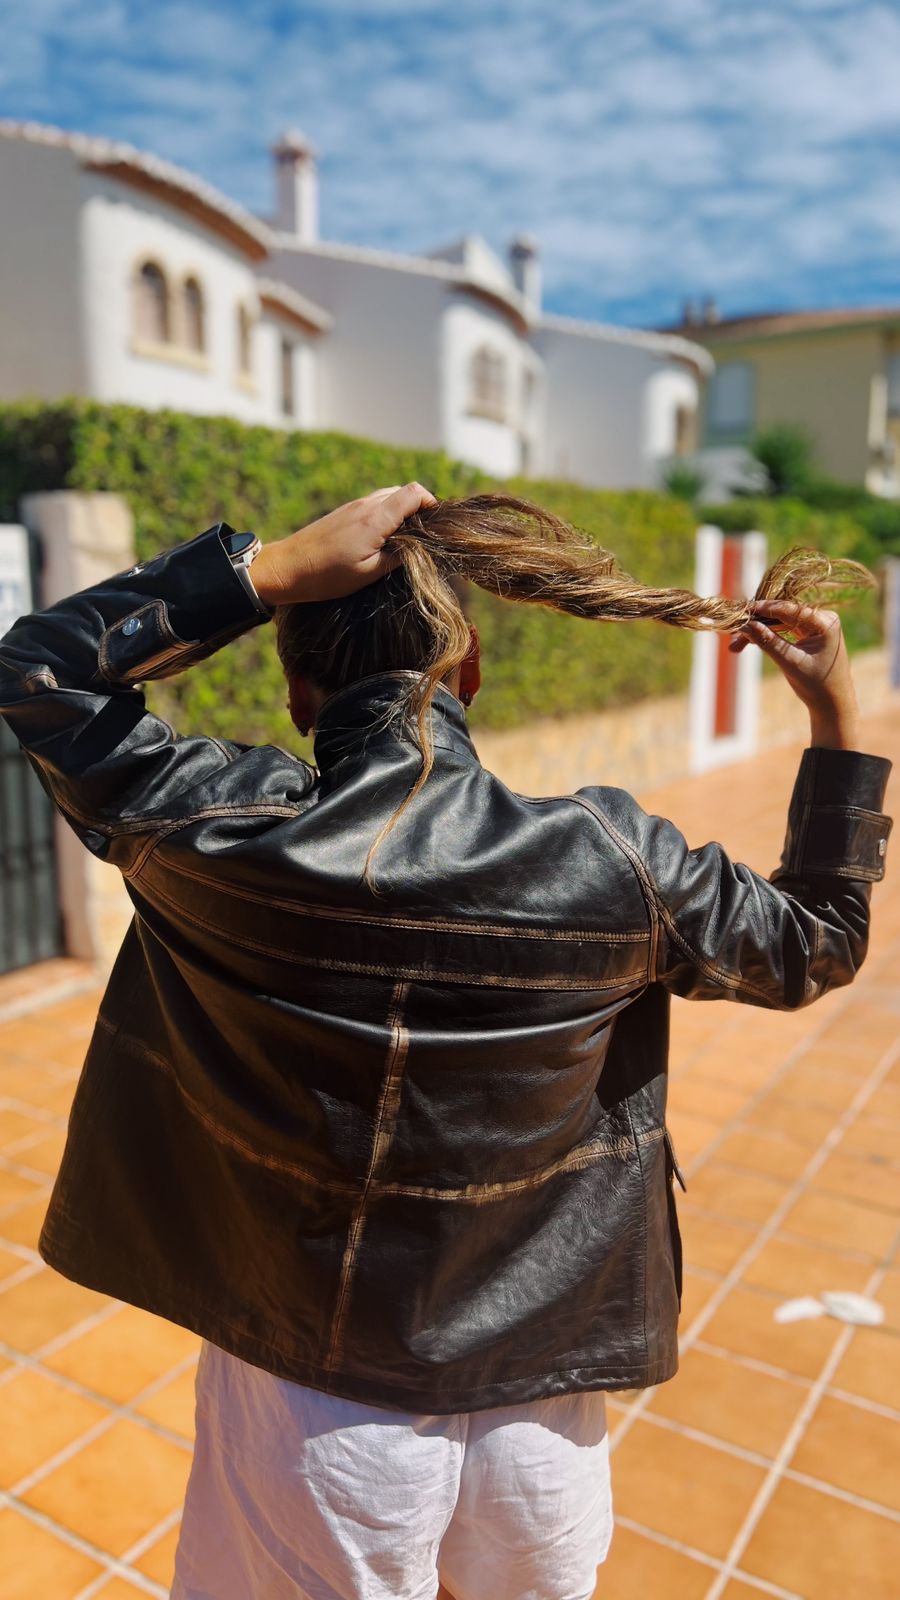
x,y
430,1401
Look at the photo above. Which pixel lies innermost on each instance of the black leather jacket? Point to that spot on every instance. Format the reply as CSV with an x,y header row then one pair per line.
x,y
407,1147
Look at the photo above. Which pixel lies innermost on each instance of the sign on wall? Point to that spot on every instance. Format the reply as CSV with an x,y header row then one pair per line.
x,y
15,575
724,695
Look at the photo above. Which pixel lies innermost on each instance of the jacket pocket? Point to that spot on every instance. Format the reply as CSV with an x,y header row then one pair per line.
x,y
673,1160
673,1171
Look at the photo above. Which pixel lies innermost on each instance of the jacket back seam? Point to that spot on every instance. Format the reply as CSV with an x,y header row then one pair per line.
x,y
442,924
385,1126
471,1193
380,970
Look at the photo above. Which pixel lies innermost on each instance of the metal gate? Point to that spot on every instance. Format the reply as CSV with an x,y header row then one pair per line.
x,y
30,922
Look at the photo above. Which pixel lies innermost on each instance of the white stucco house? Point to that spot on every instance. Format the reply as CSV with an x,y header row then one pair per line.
x,y
126,278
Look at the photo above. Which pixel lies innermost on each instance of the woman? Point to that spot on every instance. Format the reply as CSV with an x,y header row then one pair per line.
x,y
376,1098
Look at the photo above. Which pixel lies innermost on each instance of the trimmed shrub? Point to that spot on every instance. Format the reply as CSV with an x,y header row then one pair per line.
x,y
182,473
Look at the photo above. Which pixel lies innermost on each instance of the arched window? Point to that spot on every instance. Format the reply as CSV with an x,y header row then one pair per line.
x,y
193,315
487,383
151,309
244,342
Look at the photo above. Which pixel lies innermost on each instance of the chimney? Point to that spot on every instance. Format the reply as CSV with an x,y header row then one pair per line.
x,y
689,318
296,187
711,312
525,265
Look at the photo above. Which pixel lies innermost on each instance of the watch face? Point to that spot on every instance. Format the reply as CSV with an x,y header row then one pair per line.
x,y
237,544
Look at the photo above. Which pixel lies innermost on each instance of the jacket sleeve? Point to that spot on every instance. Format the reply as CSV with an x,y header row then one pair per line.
x,y
720,930
68,690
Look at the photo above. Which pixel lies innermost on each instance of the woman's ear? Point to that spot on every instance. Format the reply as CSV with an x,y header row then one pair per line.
x,y
302,704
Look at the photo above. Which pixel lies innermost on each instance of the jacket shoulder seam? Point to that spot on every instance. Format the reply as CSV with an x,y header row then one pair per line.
x,y
661,913
645,882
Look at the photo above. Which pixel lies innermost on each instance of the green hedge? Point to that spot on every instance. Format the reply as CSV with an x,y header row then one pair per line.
x,y
180,473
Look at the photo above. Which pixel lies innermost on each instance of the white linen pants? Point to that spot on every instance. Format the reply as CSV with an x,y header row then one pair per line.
x,y
298,1495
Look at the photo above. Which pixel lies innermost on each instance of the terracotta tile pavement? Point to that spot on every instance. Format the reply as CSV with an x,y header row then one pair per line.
x,y
769,1465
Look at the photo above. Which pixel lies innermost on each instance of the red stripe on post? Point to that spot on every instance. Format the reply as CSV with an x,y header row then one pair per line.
x,y
725,720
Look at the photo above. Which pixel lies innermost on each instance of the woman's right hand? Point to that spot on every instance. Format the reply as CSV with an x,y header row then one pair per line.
x,y
816,664
340,552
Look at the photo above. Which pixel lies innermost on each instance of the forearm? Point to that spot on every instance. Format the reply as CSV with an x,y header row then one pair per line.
x,y
834,719
835,729
68,678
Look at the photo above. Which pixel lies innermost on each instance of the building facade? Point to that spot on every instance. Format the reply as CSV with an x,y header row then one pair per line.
x,y
836,373
125,278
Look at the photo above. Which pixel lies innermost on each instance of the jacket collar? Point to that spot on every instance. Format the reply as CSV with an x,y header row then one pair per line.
x,y
370,713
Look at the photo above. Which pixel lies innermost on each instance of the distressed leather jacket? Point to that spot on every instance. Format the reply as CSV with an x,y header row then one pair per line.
x,y
406,1147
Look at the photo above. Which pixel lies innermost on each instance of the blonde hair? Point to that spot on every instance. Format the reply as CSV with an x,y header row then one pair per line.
x,y
414,617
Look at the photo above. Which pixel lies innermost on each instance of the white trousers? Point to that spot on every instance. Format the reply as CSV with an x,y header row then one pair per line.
x,y
298,1495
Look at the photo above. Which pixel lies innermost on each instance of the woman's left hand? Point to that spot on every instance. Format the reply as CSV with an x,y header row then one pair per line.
x,y
338,553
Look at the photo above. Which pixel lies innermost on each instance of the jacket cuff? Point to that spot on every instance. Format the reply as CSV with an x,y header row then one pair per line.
x,y
835,822
195,603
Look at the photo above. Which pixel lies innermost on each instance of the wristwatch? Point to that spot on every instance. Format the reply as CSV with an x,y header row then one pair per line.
x,y
242,550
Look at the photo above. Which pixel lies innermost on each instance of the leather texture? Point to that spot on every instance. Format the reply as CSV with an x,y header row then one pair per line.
x,y
406,1146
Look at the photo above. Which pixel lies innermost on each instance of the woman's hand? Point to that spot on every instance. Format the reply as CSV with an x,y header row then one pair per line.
x,y
816,665
338,553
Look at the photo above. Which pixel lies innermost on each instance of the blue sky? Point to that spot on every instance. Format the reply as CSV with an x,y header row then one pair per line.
x,y
657,148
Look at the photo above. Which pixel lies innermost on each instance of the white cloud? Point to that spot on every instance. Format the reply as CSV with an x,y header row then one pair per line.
x,y
656,150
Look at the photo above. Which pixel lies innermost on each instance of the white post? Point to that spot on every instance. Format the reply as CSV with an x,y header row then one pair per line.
x,y
15,574
84,539
710,748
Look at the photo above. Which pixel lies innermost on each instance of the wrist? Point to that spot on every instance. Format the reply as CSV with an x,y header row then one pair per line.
x,y
834,728
263,575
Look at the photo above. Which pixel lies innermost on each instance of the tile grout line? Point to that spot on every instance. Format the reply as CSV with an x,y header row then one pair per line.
x,y
860,1401
28,1269
834,1490
152,1536
129,1556
116,1411
13,1102
31,1005
50,1346
832,1361
732,1125
701,1557
113,1565
732,1218
757,1458
20,1170
780,1467
769,1228
17,1249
